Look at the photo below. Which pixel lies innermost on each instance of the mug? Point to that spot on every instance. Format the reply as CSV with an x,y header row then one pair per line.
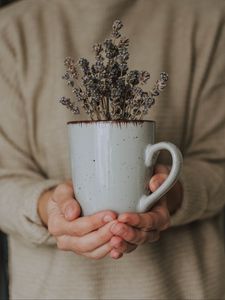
x,y
112,163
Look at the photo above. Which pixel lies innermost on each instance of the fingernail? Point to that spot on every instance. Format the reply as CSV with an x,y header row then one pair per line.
x,y
107,219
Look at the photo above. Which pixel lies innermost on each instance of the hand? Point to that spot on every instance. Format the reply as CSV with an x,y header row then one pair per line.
x,y
88,236
134,229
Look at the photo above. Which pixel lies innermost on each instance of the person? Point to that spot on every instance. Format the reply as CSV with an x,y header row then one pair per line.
x,y
54,252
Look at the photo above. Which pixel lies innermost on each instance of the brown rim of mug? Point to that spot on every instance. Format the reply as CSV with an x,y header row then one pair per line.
x,y
110,121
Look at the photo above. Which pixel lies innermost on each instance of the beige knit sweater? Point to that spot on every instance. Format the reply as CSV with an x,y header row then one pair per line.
x,y
184,38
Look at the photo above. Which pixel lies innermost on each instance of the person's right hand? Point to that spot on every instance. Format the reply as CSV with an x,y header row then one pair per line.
x,y
88,236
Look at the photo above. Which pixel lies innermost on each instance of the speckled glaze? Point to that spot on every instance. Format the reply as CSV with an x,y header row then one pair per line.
x,y
112,164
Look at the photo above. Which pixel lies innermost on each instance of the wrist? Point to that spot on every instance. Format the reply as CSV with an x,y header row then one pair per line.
x,y
43,206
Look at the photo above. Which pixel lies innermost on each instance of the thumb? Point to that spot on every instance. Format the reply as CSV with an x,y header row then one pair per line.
x,y
64,197
72,209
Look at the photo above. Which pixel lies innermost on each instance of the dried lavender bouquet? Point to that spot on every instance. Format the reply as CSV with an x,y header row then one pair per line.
x,y
107,89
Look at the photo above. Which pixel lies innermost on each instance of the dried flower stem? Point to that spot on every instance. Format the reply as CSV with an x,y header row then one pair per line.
x,y
108,89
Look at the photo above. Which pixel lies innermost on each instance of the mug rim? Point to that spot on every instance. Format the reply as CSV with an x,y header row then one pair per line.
x,y
110,121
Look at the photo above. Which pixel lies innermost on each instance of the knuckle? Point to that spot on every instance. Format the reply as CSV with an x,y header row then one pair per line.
x,y
61,244
77,229
76,246
101,236
80,246
120,229
104,234
100,253
96,220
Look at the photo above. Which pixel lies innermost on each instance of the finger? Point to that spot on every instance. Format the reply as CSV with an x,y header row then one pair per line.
x,y
156,181
100,252
97,253
86,243
130,234
135,236
115,254
57,225
161,209
161,173
64,197
164,169
71,210
63,191
87,224
154,219
97,238
122,246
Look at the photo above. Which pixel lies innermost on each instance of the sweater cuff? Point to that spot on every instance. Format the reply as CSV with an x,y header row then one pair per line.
x,y
194,201
33,228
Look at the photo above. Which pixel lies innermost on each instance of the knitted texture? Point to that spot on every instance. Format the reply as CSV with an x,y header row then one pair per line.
x,y
185,39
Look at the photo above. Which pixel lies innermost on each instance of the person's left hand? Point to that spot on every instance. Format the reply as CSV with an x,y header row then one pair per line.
x,y
133,229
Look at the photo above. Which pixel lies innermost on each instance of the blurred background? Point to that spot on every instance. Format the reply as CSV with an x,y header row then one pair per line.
x,y
4,2
3,238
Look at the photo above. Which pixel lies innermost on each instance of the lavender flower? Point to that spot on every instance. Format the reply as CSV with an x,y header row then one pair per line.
x,y
106,89
133,77
117,25
71,106
144,76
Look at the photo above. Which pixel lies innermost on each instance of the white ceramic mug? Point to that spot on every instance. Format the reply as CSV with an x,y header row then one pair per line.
x,y
112,163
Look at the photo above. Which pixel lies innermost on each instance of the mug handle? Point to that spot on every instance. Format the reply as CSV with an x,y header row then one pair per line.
x,y
151,155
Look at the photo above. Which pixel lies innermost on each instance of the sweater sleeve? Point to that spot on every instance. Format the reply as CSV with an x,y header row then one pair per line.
x,y
21,180
203,174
